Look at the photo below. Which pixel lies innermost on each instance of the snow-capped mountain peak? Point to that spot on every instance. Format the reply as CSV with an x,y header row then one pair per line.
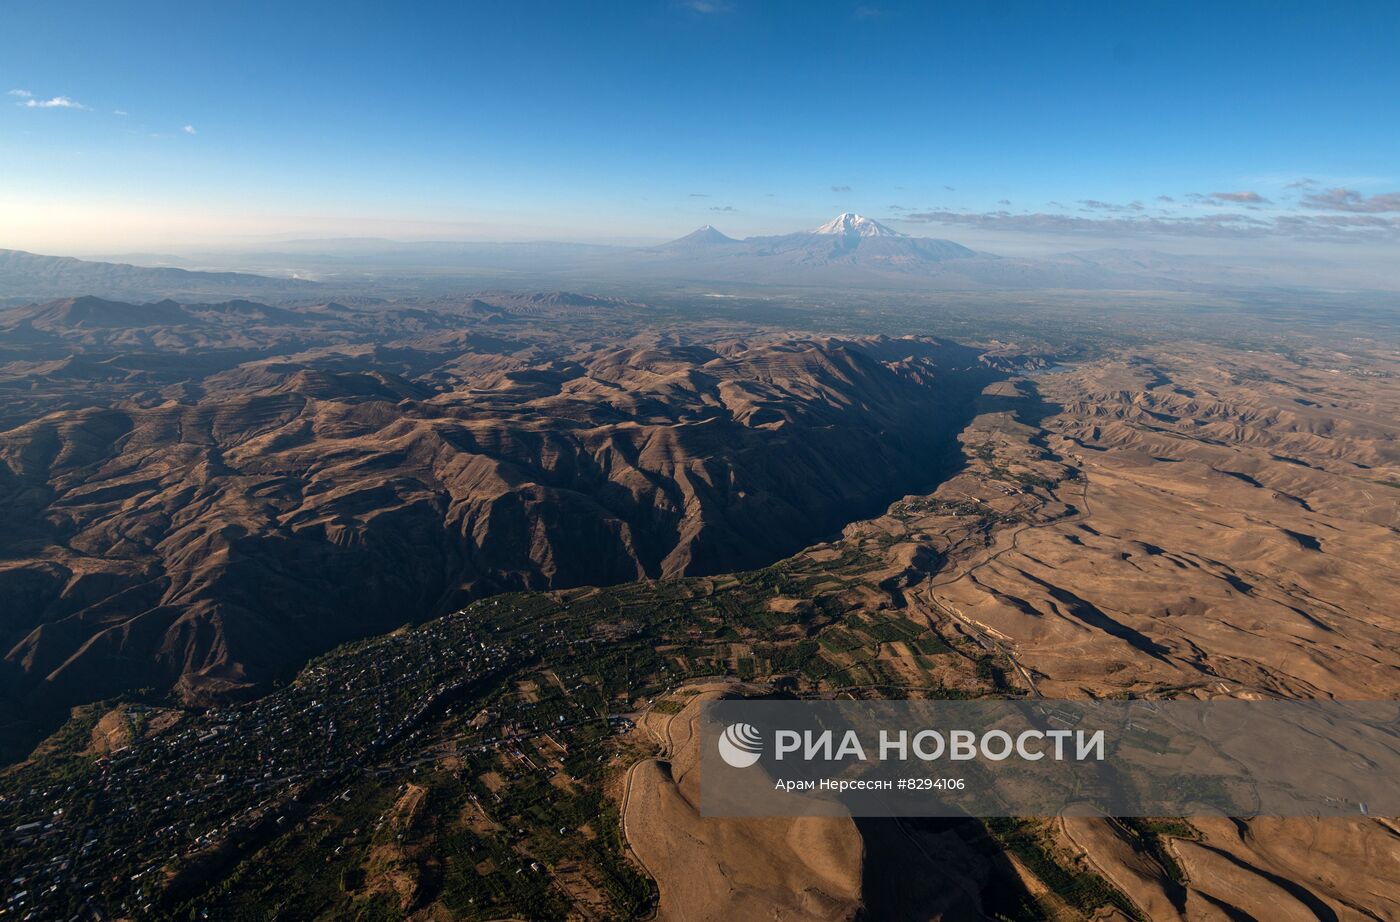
x,y
858,225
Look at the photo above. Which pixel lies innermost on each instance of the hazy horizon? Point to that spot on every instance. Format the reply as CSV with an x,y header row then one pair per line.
x,y
1015,130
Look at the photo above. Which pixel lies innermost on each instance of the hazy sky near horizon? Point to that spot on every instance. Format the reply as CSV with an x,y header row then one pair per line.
x,y
160,124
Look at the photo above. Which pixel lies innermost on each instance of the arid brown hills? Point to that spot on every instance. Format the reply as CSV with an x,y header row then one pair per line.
x,y
1232,526
1176,521
1165,519
206,495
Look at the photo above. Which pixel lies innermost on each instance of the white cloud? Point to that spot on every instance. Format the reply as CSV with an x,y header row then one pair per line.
x,y
22,94
58,102
189,129
120,112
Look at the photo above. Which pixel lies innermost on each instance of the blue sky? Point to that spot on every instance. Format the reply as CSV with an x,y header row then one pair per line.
x,y
640,121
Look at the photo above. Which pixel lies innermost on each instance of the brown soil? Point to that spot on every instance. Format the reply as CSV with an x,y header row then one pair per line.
x,y
806,868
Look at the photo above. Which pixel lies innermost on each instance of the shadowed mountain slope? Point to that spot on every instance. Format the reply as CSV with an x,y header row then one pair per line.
x,y
214,532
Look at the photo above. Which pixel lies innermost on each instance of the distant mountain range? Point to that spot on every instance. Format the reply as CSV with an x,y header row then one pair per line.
x,y
850,251
32,277
854,250
858,251
848,240
852,247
